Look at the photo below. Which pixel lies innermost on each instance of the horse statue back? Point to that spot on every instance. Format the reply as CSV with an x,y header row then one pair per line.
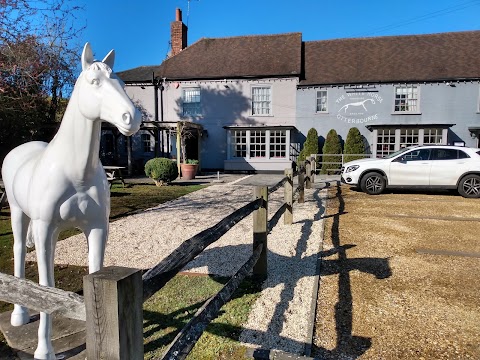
x,y
62,184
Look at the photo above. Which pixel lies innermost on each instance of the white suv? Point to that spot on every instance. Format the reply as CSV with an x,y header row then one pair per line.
x,y
429,166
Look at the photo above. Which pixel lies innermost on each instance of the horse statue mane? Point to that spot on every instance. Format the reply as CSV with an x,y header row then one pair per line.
x,y
62,184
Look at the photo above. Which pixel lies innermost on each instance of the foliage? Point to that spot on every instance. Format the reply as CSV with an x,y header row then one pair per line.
x,y
169,310
161,170
310,146
354,145
331,149
192,161
38,58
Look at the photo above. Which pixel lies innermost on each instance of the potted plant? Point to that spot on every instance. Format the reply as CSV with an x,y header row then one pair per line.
x,y
189,169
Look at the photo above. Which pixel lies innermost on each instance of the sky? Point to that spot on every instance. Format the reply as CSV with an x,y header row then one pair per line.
x,y
140,31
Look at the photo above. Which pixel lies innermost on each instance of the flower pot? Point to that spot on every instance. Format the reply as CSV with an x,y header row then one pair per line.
x,y
188,171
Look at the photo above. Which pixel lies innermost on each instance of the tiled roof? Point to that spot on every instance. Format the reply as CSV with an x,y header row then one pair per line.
x,y
244,56
139,74
444,56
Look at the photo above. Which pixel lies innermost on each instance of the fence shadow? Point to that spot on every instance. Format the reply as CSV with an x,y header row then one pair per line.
x,y
347,345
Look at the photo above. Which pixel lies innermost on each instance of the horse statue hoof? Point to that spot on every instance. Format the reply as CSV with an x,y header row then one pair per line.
x,y
19,318
43,354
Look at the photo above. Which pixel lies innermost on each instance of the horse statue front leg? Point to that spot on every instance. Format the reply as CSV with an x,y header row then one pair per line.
x,y
45,236
20,221
97,239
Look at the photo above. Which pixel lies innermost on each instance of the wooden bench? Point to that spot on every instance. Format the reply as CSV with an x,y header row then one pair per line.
x,y
114,173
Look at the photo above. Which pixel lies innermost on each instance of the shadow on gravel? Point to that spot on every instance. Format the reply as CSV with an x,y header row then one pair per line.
x,y
348,345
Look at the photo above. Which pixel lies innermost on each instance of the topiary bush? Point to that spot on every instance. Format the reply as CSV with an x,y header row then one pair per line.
x,y
161,170
354,145
332,146
310,146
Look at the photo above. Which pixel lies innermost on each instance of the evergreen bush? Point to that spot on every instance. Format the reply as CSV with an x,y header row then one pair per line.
x,y
310,146
161,170
354,145
331,149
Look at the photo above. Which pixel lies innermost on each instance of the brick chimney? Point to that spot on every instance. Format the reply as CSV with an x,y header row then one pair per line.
x,y
178,34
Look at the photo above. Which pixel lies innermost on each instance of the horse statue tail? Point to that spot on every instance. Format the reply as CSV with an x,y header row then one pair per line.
x,y
30,239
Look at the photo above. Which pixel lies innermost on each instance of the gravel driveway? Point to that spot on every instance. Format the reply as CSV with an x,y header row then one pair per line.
x,y
399,277
280,319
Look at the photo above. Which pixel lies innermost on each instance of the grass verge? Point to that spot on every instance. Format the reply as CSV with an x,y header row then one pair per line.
x,y
124,201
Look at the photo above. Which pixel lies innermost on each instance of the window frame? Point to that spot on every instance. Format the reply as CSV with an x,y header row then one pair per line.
x,y
197,105
150,141
269,101
325,102
416,109
269,146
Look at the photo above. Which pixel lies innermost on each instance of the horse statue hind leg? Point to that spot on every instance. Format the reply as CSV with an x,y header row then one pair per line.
x,y
62,184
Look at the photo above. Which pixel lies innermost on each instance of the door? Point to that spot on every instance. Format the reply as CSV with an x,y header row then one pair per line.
x,y
411,168
447,166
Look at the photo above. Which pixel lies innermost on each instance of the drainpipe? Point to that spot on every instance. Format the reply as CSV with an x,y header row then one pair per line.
x,y
155,92
161,117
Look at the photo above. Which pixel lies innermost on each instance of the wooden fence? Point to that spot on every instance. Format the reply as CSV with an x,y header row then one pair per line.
x,y
338,163
113,297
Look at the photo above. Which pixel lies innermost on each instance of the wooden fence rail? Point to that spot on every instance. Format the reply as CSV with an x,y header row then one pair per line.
x,y
318,160
41,298
113,300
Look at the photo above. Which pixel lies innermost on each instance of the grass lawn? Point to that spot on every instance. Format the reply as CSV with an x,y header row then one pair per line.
x,y
172,307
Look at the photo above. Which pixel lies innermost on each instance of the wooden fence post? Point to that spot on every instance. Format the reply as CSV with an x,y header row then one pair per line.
x,y
301,184
260,226
288,197
113,302
313,168
308,174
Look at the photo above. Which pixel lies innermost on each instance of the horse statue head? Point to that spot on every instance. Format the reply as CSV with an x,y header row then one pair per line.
x,y
101,94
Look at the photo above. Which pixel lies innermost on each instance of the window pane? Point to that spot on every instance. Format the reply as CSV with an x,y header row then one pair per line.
x,y
385,142
261,100
322,101
278,139
432,136
257,143
239,143
191,101
147,143
406,98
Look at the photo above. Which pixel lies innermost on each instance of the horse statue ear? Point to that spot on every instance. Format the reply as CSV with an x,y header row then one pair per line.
x,y
110,59
87,56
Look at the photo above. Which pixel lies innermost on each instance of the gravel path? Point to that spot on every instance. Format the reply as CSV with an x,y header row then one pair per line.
x,y
280,319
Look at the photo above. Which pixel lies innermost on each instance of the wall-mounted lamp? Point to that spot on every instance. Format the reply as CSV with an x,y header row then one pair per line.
x,y
226,86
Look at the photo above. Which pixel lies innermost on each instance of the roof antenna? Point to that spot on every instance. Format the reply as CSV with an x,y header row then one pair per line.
x,y
188,10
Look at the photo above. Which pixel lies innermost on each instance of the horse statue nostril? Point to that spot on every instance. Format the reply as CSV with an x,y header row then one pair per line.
x,y
127,118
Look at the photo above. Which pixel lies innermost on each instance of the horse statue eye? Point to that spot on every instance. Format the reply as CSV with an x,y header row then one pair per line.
x,y
95,81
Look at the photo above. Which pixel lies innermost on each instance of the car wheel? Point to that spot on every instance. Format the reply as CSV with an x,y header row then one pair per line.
x,y
469,186
373,183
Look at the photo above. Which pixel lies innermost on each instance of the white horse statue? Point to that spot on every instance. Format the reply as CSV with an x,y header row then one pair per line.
x,y
62,184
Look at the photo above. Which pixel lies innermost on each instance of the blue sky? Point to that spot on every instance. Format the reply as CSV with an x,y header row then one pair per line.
x,y
140,31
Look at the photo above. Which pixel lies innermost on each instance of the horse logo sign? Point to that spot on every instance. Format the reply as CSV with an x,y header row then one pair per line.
x,y
358,108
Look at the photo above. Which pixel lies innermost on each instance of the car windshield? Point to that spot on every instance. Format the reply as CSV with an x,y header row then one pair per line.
x,y
401,151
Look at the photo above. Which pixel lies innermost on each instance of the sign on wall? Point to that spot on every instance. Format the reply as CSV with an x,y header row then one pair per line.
x,y
358,107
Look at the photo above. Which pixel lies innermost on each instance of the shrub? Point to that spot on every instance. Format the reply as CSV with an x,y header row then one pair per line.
x,y
354,145
310,146
331,148
161,170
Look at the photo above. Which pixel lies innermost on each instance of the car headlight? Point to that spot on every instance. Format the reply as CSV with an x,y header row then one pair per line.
x,y
352,168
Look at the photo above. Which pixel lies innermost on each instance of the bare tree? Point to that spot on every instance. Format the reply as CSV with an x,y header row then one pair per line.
x,y
38,64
